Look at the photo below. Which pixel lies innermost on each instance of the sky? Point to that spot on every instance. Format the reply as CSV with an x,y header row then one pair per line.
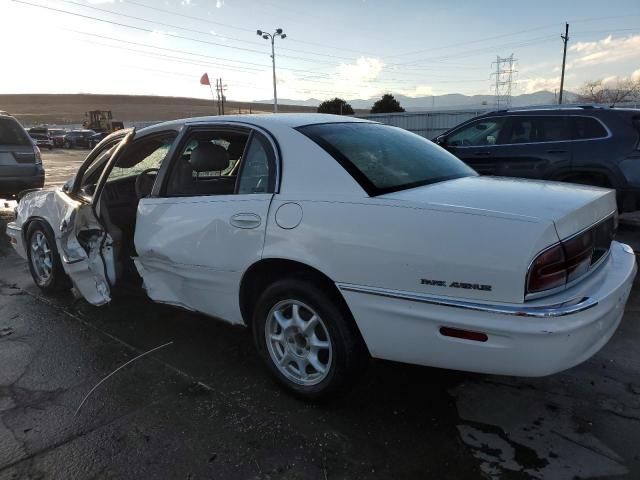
x,y
349,48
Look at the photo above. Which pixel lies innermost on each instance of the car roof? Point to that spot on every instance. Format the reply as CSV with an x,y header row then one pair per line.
x,y
264,120
565,109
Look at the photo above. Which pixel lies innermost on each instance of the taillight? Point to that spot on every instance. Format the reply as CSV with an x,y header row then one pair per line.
x,y
36,153
562,263
547,270
578,252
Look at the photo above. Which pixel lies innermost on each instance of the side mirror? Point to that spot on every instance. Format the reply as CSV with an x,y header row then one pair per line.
x,y
68,184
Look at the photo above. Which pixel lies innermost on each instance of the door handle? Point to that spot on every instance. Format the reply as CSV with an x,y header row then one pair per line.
x,y
246,220
556,151
479,154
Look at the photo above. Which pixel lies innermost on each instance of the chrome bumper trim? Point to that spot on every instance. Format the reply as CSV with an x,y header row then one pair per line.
x,y
70,261
559,310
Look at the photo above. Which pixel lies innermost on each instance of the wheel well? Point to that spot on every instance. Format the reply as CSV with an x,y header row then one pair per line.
x,y
30,220
598,178
265,272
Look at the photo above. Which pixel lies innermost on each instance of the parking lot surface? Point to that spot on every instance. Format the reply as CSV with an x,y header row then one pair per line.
x,y
204,407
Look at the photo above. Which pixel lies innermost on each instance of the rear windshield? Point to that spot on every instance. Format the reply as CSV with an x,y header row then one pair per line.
x,y
385,159
11,133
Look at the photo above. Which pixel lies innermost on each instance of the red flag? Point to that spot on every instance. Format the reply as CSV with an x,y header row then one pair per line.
x,y
204,80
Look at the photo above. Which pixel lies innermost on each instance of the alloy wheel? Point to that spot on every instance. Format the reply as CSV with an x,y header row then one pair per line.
x,y
41,257
298,342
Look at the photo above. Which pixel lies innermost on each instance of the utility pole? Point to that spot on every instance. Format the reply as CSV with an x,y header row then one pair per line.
x,y
565,40
272,37
218,93
222,95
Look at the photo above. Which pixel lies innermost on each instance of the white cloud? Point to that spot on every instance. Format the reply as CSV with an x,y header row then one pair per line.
x,y
219,3
363,70
607,50
531,85
636,75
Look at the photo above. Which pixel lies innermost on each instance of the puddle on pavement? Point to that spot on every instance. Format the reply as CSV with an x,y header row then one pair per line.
x,y
522,432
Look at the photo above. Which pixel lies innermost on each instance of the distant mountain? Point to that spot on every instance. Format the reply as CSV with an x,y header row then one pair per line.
x,y
441,102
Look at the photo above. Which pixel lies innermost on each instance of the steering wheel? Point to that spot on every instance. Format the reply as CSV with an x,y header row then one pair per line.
x,y
144,182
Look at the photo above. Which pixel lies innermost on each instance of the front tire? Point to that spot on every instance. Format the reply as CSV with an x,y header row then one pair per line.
x,y
306,339
44,261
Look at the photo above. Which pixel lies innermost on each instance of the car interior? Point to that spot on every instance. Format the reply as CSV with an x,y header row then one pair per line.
x,y
207,165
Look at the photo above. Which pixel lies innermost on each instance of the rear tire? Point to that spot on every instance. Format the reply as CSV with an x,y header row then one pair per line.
x,y
44,261
308,343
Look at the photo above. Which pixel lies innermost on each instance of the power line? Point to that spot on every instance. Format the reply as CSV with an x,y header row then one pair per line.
x,y
111,22
330,79
202,32
466,43
191,17
316,61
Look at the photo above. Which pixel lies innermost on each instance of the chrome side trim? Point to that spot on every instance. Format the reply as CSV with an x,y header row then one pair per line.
x,y
14,227
558,310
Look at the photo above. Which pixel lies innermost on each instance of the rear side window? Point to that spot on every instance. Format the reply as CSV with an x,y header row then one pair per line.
x,y
385,159
585,128
521,130
11,133
552,129
256,170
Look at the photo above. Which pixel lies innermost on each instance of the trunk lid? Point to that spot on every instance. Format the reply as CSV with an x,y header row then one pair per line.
x,y
571,208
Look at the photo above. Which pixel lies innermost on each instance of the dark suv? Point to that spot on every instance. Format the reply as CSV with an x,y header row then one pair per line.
x,y
583,144
78,138
20,160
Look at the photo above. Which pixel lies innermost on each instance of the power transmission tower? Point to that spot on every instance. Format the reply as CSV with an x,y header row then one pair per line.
x,y
503,80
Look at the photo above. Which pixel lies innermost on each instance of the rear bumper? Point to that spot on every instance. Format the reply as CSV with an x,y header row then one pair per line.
x,y
14,232
523,340
14,185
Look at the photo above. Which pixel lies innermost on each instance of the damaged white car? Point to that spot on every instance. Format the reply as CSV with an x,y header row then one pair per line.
x,y
336,239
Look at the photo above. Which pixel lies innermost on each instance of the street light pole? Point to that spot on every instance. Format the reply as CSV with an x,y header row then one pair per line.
x,y
273,64
272,37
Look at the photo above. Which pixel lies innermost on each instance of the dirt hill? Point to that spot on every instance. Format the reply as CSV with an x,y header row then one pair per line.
x,y
70,108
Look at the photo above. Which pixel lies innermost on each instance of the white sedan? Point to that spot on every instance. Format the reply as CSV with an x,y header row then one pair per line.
x,y
335,239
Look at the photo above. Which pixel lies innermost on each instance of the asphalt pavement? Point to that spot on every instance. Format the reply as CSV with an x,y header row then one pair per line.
x,y
204,407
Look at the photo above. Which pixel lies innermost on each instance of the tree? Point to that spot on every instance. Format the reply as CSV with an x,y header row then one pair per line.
x,y
609,93
387,104
337,106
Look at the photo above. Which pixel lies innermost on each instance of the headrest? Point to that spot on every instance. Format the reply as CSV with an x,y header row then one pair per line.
x,y
207,157
235,150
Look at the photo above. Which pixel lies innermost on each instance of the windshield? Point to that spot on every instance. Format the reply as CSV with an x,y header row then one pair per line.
x,y
385,159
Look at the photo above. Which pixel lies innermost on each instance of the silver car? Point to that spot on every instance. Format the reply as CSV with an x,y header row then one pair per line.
x,y
20,161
